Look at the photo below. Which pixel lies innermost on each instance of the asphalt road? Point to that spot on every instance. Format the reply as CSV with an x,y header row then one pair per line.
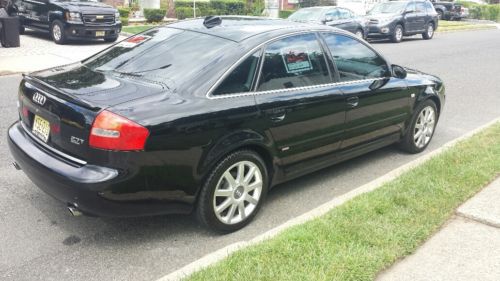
x,y
39,240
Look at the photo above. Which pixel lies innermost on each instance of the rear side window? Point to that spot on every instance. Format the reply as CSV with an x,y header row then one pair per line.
x,y
354,60
241,78
295,61
420,7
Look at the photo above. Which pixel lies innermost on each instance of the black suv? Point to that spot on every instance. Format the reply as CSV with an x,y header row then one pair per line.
x,y
69,19
396,19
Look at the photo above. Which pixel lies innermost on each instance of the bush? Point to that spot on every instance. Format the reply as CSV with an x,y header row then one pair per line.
x,y
483,12
214,7
124,12
285,13
154,15
124,21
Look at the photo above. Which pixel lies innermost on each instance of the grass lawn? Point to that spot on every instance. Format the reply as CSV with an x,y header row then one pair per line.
x,y
357,240
134,29
445,26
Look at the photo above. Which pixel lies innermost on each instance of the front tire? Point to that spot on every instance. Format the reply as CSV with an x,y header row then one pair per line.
x,y
57,32
234,191
429,31
111,40
421,128
397,35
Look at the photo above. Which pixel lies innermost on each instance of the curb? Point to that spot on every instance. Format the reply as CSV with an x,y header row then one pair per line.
x,y
222,253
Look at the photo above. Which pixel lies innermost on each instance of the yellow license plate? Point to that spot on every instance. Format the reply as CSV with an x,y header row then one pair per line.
x,y
100,33
41,128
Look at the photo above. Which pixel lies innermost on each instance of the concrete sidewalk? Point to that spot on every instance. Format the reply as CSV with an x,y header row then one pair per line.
x,y
466,248
39,52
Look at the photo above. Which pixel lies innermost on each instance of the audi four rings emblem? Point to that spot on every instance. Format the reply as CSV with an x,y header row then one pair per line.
x,y
39,98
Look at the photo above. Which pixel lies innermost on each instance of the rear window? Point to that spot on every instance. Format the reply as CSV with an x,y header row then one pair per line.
x,y
165,54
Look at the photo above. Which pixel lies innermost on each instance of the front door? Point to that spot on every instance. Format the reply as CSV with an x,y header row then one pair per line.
x,y
377,105
300,105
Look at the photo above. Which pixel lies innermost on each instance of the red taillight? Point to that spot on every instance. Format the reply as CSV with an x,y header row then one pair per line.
x,y
113,132
25,112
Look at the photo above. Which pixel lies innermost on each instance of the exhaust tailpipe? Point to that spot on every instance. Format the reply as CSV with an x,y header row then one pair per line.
x,y
74,211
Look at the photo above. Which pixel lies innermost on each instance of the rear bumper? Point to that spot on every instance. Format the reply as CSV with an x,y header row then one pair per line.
x,y
83,186
84,32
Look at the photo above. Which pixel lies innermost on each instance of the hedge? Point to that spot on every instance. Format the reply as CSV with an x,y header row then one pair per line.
x,y
483,12
284,14
124,21
184,9
124,12
154,15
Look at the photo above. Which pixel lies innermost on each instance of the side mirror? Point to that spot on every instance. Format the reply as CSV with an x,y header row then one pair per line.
x,y
328,18
398,71
407,12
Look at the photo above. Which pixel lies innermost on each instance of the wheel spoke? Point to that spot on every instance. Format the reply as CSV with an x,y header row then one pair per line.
x,y
223,192
417,134
241,173
251,200
254,185
219,209
241,210
230,180
249,175
231,212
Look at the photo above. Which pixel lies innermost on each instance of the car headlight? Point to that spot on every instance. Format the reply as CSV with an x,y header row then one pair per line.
x,y
73,16
117,17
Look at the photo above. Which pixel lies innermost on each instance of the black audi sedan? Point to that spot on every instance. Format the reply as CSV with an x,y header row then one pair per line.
x,y
208,115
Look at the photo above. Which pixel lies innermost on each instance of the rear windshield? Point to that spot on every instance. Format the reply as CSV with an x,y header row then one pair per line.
x,y
165,54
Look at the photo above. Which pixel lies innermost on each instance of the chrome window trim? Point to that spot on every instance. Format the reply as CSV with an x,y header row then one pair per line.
x,y
235,95
261,45
44,145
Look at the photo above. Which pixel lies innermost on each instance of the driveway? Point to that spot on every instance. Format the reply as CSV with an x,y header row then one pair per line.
x,y
38,51
39,240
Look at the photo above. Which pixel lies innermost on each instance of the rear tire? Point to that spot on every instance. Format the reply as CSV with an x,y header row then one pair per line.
x,y
440,15
234,191
421,128
397,35
21,29
429,31
57,32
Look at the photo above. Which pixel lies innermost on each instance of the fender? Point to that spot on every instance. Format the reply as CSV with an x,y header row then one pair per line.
x,y
234,141
55,15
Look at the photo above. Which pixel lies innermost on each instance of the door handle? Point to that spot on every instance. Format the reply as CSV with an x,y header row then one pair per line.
x,y
353,101
278,117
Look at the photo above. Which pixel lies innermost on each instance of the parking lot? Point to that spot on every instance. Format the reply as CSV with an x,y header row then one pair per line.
x,y
41,241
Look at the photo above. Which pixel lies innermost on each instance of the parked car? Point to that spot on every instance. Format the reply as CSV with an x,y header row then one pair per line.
x,y
229,111
396,19
69,19
342,18
450,10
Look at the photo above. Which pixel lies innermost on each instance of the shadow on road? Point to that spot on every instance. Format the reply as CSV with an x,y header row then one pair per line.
x,y
46,36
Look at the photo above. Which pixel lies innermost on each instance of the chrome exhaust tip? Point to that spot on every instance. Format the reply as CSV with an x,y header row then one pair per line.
x,y
74,211
16,166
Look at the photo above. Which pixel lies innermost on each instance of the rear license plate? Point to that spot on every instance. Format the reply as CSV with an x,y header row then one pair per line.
x,y
100,33
41,128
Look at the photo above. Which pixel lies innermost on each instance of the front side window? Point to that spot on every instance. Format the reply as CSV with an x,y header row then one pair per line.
x,y
332,14
420,7
241,78
430,8
344,14
354,60
295,61
411,7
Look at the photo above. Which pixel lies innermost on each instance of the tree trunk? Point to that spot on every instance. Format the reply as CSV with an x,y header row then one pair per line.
x,y
171,9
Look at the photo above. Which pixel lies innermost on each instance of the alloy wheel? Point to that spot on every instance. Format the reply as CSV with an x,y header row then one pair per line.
x,y
399,34
56,32
430,30
237,192
424,127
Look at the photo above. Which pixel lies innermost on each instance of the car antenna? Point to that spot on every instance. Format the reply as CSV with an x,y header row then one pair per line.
x,y
212,21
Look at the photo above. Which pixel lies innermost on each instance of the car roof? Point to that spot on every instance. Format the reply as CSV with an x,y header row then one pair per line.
x,y
239,28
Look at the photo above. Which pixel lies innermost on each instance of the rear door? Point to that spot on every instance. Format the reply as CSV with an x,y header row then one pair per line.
x,y
377,105
420,16
302,109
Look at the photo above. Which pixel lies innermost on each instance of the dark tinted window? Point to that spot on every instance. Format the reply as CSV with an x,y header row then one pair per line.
x,y
240,79
332,14
430,8
420,7
354,60
410,7
163,54
295,61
